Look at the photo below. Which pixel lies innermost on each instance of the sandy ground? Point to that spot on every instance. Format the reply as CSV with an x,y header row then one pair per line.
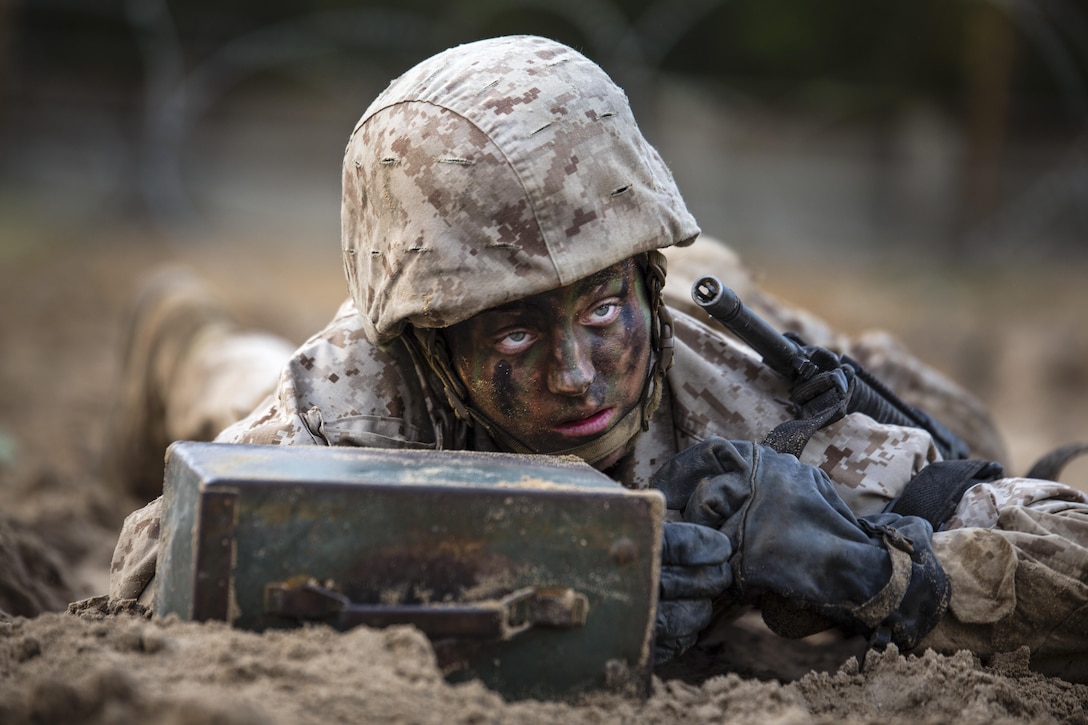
x,y
1013,337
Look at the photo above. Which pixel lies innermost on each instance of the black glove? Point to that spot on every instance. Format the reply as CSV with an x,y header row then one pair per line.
x,y
830,388
799,552
694,570
842,386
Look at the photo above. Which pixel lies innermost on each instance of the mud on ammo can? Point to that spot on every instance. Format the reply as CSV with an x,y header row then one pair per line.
x,y
536,575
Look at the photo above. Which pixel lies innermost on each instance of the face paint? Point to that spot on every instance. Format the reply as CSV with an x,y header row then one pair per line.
x,y
558,369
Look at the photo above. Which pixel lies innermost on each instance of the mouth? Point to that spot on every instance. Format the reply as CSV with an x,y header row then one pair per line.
x,y
591,425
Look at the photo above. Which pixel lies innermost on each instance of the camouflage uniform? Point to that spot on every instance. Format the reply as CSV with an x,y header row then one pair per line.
x,y
511,167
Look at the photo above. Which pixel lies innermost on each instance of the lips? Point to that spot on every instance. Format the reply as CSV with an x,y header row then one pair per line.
x,y
591,425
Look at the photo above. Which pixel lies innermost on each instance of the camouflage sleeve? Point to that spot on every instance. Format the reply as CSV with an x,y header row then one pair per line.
x,y
869,462
276,421
1016,553
132,568
337,389
340,389
983,503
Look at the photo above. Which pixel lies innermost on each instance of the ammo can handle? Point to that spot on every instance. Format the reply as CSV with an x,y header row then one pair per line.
x,y
498,619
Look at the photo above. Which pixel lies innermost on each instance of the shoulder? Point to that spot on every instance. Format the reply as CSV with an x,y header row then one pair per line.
x,y
340,388
718,386
340,362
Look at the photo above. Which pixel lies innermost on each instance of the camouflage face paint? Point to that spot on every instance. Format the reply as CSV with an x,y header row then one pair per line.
x,y
561,368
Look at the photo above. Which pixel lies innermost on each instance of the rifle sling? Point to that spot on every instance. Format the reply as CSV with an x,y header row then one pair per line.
x,y
935,492
793,435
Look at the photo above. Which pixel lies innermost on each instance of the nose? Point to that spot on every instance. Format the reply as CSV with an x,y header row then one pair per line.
x,y
572,369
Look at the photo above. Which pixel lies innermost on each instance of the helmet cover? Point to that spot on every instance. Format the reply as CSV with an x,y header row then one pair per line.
x,y
494,171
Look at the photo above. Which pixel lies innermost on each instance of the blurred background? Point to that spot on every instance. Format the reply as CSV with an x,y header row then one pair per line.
x,y
919,166
950,130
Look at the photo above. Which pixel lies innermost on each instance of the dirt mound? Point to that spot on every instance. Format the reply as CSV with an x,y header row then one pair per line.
x,y
92,665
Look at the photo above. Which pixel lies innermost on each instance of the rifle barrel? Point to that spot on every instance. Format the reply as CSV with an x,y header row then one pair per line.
x,y
778,351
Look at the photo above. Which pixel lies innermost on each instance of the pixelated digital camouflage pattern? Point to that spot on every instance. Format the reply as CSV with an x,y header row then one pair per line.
x,y
494,171
341,389
1016,550
1019,576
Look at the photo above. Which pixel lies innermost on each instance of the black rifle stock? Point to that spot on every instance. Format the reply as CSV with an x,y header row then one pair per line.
x,y
789,359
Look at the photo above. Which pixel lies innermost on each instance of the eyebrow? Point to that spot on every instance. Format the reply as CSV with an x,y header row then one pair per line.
x,y
603,276
582,287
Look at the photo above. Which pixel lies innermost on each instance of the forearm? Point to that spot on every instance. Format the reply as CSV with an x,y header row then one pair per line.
x,y
1021,582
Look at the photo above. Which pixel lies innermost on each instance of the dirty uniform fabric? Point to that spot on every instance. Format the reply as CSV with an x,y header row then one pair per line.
x,y
513,166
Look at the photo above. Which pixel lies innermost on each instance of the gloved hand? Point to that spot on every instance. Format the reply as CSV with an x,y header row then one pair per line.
x,y
840,386
831,387
694,570
799,552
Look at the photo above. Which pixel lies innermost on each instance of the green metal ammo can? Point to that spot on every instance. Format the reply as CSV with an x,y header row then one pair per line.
x,y
536,574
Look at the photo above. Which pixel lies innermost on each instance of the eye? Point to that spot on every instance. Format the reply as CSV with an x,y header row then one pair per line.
x,y
603,314
514,341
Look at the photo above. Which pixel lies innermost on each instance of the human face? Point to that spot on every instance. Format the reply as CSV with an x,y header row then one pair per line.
x,y
558,369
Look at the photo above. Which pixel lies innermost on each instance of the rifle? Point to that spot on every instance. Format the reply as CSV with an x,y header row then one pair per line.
x,y
789,359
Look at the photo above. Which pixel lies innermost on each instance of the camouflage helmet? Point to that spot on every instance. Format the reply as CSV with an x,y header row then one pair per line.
x,y
494,171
